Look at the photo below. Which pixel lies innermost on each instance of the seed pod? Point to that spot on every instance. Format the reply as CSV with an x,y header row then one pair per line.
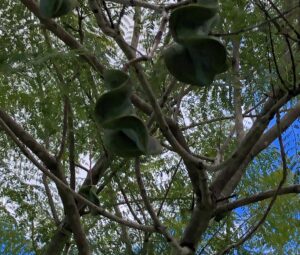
x,y
195,58
124,133
56,8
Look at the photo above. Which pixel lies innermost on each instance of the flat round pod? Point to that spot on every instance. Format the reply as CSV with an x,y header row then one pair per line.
x,y
118,143
66,7
197,60
210,2
128,137
133,128
209,57
113,104
116,102
180,64
113,78
56,8
125,134
49,8
188,20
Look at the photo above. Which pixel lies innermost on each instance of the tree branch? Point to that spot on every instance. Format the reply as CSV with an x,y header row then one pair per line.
x,y
127,202
71,142
237,92
265,140
50,200
256,198
282,181
64,134
231,165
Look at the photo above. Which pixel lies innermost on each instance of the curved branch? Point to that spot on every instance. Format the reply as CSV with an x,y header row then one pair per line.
x,y
63,186
256,198
265,140
50,200
232,165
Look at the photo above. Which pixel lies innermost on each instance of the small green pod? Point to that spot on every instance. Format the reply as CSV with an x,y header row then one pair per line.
x,y
188,20
180,64
125,134
56,8
116,102
197,60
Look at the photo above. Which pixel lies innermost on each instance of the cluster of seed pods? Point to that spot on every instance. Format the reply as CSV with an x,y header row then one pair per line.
x,y
195,57
125,134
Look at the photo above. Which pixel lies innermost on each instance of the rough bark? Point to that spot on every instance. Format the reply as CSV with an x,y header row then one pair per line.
x,y
232,165
261,144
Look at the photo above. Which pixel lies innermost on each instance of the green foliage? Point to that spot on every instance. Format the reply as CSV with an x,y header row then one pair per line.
x,y
12,240
31,92
124,133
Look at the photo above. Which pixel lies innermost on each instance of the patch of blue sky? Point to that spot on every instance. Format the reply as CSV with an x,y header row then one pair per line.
x,y
4,250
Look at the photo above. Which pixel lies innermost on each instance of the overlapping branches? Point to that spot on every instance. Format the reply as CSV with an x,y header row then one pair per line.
x,y
254,141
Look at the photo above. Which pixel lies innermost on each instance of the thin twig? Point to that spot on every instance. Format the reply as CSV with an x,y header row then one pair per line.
x,y
122,13
156,221
107,181
162,101
256,198
127,201
82,167
157,40
108,14
169,187
64,133
159,34
50,200
274,58
292,60
284,18
71,143
256,26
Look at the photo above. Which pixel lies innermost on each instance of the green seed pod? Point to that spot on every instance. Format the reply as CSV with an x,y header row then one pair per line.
x,y
188,20
180,64
195,58
90,193
115,103
56,8
124,133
